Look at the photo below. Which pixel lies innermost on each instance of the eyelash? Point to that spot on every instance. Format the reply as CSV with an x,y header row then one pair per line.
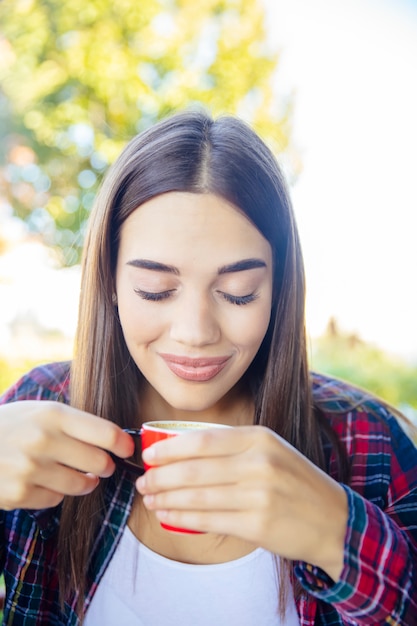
x,y
153,296
163,295
239,300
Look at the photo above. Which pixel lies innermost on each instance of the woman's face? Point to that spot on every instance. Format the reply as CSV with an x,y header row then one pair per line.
x,y
194,290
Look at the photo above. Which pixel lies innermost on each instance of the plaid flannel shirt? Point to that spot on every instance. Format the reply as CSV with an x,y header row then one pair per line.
x,y
378,584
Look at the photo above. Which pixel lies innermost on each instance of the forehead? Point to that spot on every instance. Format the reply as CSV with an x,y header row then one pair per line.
x,y
183,225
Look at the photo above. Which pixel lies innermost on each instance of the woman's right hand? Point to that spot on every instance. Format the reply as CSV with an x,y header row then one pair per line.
x,y
49,450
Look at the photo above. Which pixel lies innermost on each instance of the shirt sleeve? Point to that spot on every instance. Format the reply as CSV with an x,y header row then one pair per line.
x,y
378,584
45,382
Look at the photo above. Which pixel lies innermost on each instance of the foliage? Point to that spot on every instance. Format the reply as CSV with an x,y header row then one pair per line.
x,y
348,357
78,79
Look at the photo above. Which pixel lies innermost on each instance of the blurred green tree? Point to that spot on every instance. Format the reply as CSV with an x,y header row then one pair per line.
x,y
347,357
79,79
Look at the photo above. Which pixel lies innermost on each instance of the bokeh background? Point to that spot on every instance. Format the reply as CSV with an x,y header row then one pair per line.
x,y
330,85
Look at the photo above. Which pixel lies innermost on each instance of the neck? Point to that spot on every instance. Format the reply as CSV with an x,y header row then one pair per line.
x,y
234,409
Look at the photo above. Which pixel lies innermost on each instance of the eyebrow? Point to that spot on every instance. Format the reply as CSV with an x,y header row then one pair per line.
x,y
239,266
154,265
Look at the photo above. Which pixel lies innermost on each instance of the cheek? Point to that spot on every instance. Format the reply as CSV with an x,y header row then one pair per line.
x,y
259,331
248,331
137,325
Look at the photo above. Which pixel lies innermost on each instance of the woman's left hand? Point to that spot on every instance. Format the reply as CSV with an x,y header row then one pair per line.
x,y
250,483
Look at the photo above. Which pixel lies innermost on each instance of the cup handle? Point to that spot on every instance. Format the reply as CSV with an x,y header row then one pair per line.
x,y
129,466
133,432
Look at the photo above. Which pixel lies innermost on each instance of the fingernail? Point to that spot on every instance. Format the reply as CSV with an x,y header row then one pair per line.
x,y
148,454
148,500
90,487
140,484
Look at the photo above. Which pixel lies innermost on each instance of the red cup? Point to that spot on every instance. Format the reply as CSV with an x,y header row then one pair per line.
x,y
151,432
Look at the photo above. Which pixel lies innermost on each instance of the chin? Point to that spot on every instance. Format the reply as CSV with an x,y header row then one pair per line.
x,y
191,404
191,407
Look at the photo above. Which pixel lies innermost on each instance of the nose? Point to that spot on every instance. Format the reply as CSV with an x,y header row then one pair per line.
x,y
194,321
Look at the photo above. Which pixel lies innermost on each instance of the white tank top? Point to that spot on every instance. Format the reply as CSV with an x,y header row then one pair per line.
x,y
143,588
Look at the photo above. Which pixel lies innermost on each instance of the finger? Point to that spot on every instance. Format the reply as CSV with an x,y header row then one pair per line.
x,y
256,456
47,418
46,489
218,498
233,523
210,442
98,432
192,472
246,525
65,481
23,497
82,456
41,442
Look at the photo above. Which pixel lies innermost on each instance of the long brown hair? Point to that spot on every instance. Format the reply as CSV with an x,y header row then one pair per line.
x,y
186,152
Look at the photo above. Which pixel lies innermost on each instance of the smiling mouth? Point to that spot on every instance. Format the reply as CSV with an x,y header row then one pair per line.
x,y
198,370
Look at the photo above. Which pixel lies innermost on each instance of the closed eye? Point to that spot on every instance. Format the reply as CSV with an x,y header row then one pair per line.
x,y
154,296
239,300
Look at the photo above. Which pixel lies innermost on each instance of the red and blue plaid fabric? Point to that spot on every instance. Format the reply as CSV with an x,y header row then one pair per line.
x,y
379,580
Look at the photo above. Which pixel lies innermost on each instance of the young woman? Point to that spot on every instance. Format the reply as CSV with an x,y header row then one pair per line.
x,y
192,308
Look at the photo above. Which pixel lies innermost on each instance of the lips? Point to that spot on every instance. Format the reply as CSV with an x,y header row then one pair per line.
x,y
199,369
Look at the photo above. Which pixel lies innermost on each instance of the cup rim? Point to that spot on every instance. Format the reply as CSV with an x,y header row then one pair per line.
x,y
153,426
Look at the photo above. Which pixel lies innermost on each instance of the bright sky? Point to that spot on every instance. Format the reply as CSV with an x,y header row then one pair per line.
x,y
352,66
